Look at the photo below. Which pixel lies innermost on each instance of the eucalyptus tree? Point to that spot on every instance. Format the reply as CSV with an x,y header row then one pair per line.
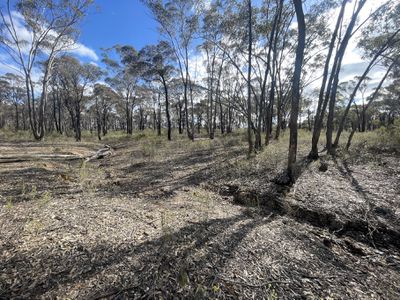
x,y
269,26
178,23
390,98
5,93
236,43
125,73
212,35
381,42
373,96
175,92
274,22
158,66
74,79
249,108
301,40
14,92
331,70
50,27
105,98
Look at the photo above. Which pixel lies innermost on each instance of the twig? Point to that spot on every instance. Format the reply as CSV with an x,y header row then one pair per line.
x,y
254,285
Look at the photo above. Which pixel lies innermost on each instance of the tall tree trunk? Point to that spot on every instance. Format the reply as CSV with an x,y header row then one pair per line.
x,y
16,117
296,88
353,94
167,109
249,111
221,117
59,115
105,123
319,116
336,71
229,127
273,46
159,116
377,89
55,112
98,120
77,122
129,129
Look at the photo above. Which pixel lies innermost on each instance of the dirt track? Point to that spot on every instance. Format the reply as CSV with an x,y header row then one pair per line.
x,y
145,225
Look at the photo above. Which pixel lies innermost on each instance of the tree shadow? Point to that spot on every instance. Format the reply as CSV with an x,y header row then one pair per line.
x,y
22,182
161,179
320,267
197,252
346,172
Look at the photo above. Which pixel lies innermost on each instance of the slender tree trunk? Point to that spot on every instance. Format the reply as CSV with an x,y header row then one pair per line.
x,y
167,109
336,72
229,127
353,130
77,122
60,115
221,117
296,88
55,112
105,123
16,117
179,113
273,41
186,109
249,111
159,116
353,94
319,116
129,129
98,120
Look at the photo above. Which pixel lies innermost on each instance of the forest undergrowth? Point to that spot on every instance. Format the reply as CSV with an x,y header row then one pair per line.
x,y
160,219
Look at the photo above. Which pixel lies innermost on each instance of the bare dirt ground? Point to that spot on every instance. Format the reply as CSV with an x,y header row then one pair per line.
x,y
161,221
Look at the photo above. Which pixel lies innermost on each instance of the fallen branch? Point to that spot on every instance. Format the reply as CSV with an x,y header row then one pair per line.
x,y
101,153
36,157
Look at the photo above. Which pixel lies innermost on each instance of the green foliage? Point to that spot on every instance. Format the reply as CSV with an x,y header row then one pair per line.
x,y
272,293
8,134
393,132
381,138
9,203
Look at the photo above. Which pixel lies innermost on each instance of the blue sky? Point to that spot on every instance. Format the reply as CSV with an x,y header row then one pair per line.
x,y
111,22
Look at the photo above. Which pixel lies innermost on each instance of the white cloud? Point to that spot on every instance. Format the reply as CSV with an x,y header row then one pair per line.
x,y
353,55
197,66
23,34
84,51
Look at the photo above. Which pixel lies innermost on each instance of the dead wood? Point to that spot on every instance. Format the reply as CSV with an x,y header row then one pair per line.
x,y
37,157
106,151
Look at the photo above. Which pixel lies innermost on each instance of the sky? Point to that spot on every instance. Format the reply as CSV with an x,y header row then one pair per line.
x,y
122,22
112,22
108,23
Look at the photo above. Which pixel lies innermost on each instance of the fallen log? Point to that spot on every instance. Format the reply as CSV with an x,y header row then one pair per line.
x,y
101,153
35,157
